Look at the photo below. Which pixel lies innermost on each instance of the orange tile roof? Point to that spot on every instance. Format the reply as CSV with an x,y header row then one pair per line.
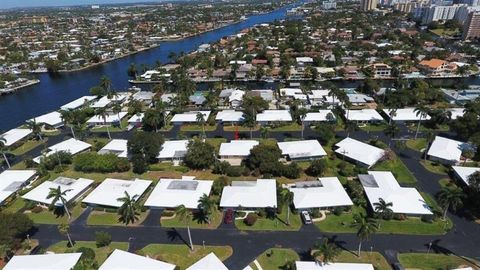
x,y
432,63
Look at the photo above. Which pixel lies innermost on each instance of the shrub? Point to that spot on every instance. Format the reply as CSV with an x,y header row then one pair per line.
x,y
317,167
337,211
399,216
315,213
250,219
88,254
234,171
291,170
168,213
221,167
93,162
102,239
428,218
37,209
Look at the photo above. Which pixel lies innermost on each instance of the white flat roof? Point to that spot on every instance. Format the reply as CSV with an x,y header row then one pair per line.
x,y
137,118
116,146
318,94
359,151
405,200
364,115
173,149
251,194
73,146
189,117
229,116
447,149
72,187
111,118
209,262
170,193
13,180
456,112
324,192
319,116
302,149
274,116
290,92
53,119
105,101
120,259
332,266
465,172
110,190
406,114
43,262
77,103
239,148
14,135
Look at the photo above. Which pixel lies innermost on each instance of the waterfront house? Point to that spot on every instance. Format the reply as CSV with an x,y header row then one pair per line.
x,y
261,193
381,70
78,103
73,189
53,119
15,136
359,152
113,119
317,97
436,67
110,190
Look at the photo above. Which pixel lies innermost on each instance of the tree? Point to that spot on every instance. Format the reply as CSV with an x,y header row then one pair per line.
x,y
105,83
287,198
383,208
422,112
36,128
153,118
325,132
117,108
391,131
13,227
467,153
143,148
200,118
264,132
128,210
3,148
206,204
302,113
365,227
132,70
317,167
102,113
57,194
200,155
326,251
474,181
68,119
264,157
450,198
185,215
64,229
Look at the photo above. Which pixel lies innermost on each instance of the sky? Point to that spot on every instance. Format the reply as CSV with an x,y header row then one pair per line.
x,y
4,4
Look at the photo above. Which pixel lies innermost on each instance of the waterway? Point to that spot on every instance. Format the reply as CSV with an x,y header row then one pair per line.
x,y
55,91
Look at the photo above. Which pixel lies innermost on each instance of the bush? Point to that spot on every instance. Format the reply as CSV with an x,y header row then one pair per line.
x,y
87,254
37,209
315,213
50,162
399,217
291,170
234,171
167,213
428,218
93,162
337,211
218,185
250,219
102,239
317,167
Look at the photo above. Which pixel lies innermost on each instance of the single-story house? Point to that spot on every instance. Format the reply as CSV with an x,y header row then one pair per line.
x,y
170,193
317,97
229,116
15,135
117,147
72,146
53,119
60,261
13,180
364,116
110,190
173,150
326,192
144,97
197,100
78,103
235,99
293,93
168,97
236,149
265,94
73,188
405,115
320,116
359,99
359,152
211,261
383,185
120,259
105,101
332,266
447,151
462,173
188,117
136,120
272,116
111,119
250,194
307,149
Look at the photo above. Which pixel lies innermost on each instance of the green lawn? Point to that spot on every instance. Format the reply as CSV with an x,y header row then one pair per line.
x,y
234,128
276,258
435,261
418,144
288,127
182,256
215,142
124,125
398,169
445,32
277,224
28,146
48,217
197,127
195,222
374,258
101,254
111,219
435,167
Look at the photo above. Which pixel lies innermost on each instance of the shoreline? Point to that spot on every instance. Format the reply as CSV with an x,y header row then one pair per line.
x,y
6,91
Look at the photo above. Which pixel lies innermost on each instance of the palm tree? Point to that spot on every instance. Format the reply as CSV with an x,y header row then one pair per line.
x,y
326,251
206,206
57,194
68,119
185,215
3,148
302,113
365,227
128,211
287,197
201,119
36,128
450,198
421,111
334,92
117,108
105,83
391,130
392,113
64,230
102,112
264,131
383,208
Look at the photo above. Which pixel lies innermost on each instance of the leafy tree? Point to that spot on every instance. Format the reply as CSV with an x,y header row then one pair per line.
x,y
468,153
185,215
200,155
474,181
13,227
365,228
450,198
64,229
102,239
57,194
326,251
153,119
36,128
325,132
264,157
128,210
317,167
143,147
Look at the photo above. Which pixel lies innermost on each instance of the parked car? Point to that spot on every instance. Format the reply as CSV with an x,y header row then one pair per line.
x,y
306,217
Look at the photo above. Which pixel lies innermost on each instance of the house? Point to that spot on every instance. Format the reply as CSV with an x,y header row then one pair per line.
x,y
120,259
381,70
15,135
301,150
265,94
117,147
383,185
53,119
461,97
364,116
111,119
463,173
60,261
359,99
455,112
168,98
143,96
405,115
72,146
188,117
197,100
78,103
324,193
320,116
173,150
73,188
273,116
447,151
332,266
359,152
110,190
170,193
317,97
303,61
235,151
250,194
436,67
105,101
13,180
211,261
229,117
294,94
136,120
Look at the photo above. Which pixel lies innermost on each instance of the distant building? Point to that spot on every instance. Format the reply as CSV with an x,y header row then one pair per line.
x,y
438,13
367,5
406,7
331,4
471,28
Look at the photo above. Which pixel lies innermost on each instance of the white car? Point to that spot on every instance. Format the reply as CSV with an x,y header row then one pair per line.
x,y
306,217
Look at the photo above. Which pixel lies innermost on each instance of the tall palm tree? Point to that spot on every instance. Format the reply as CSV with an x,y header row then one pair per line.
x,y
105,83
3,148
302,113
128,210
421,111
264,131
334,93
185,215
450,198
36,128
57,194
201,119
206,204
287,197
365,226
392,113
64,229
68,119
117,108
391,131
103,113
326,251
383,208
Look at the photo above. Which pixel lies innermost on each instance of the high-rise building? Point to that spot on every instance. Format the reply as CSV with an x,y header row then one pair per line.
x,y
367,5
437,13
471,29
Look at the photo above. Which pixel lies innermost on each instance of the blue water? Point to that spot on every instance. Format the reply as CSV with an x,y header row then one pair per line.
x,y
55,91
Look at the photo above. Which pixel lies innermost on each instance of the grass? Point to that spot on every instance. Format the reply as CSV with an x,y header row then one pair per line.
x,y
276,258
374,127
215,142
234,128
28,146
195,222
434,261
398,169
101,253
98,177
124,124
435,167
197,127
374,258
16,206
49,217
418,144
111,219
288,127
276,224
445,32
447,182
182,256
